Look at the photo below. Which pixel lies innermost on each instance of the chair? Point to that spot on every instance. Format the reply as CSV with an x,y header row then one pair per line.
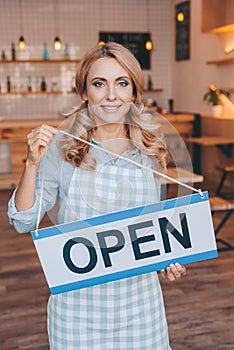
x,y
219,204
226,169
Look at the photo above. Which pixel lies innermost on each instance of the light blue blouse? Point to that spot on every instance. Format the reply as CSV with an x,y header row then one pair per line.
x,y
53,178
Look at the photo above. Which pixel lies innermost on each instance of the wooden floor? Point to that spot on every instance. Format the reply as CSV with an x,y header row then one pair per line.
x,y
200,307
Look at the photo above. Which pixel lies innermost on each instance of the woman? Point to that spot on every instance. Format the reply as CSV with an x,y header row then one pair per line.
x,y
89,181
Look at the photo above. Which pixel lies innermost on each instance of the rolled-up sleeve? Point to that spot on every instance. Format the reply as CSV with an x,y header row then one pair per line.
x,y
47,181
24,220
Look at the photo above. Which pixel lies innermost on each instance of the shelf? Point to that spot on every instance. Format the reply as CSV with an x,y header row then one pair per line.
x,y
229,28
229,89
40,60
153,90
27,93
222,61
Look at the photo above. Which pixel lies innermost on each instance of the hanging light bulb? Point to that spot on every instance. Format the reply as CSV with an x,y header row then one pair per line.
x,y
57,43
180,17
22,43
148,45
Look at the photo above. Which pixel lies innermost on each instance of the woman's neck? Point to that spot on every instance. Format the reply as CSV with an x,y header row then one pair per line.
x,y
113,138
109,132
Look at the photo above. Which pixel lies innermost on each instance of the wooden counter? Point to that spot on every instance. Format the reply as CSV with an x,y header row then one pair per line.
x,y
17,130
183,124
15,133
217,146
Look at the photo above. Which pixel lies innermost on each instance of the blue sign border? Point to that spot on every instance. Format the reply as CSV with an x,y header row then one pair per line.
x,y
64,288
120,215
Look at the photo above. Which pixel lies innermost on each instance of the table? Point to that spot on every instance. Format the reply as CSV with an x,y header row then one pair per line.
x,y
183,175
10,181
223,143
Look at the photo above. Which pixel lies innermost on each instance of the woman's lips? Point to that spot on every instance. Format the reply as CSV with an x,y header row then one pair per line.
x,y
111,108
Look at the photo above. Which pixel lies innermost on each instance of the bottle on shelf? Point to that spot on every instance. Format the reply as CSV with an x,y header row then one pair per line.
x,y
73,84
38,84
66,52
3,56
149,83
54,86
171,105
8,83
29,84
43,84
45,54
13,53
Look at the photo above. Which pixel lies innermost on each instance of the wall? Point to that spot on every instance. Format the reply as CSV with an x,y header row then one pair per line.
x,y
78,23
191,78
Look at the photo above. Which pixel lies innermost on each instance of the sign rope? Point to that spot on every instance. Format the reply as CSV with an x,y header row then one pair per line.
x,y
118,156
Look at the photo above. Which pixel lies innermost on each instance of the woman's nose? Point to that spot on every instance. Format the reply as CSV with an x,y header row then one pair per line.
x,y
111,93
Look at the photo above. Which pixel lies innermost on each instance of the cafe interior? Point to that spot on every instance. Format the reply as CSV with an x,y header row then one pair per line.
x,y
186,51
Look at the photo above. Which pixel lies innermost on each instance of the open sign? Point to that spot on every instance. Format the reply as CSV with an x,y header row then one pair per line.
x,y
126,243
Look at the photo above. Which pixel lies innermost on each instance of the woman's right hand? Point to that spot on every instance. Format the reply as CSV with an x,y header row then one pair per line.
x,y
39,141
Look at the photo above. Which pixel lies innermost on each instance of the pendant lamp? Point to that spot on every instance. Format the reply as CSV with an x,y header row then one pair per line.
x,y
148,43
57,41
22,43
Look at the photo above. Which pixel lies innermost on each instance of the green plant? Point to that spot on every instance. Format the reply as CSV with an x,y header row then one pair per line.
x,y
212,96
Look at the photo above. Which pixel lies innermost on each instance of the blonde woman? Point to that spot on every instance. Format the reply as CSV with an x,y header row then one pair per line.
x,y
88,181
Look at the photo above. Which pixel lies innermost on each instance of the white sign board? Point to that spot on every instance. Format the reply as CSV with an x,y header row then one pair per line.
x,y
126,243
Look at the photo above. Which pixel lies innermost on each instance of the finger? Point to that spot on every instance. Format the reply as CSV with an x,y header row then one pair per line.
x,y
163,273
41,137
181,269
36,144
46,127
175,271
170,274
41,132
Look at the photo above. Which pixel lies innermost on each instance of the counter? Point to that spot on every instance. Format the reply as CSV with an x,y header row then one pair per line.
x,y
215,155
13,133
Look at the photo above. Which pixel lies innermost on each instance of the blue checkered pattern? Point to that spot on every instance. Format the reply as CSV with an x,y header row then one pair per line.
x,y
122,315
109,188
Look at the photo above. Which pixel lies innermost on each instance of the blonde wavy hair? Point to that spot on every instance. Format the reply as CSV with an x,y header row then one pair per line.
x,y
141,126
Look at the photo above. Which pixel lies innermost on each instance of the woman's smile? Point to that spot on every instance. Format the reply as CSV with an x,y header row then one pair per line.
x,y
111,108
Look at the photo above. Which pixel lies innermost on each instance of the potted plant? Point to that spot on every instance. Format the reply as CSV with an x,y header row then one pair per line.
x,y
213,97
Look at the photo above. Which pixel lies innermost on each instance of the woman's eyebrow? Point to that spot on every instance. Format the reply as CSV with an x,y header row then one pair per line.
x,y
98,78
104,79
124,77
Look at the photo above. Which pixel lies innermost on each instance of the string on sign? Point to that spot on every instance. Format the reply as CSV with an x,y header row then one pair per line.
x,y
120,157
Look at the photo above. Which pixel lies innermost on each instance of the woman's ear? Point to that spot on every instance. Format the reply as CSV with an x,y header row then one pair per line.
x,y
84,96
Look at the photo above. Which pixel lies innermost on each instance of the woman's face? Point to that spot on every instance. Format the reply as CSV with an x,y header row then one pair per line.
x,y
109,91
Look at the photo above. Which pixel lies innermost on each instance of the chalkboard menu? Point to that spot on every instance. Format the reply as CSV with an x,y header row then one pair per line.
x,y
183,31
134,42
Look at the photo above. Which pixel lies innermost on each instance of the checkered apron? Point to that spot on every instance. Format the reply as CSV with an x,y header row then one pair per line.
x,y
122,315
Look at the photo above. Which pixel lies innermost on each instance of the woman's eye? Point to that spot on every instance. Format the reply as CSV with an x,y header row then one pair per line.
x,y
98,83
123,83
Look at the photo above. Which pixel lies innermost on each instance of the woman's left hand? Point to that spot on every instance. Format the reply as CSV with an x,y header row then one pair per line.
x,y
174,271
